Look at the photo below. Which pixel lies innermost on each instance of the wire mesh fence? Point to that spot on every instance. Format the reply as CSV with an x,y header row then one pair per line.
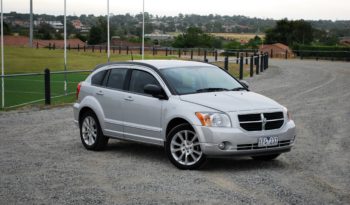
x,y
28,89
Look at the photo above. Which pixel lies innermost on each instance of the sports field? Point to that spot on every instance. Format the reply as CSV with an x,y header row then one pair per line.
x,y
23,90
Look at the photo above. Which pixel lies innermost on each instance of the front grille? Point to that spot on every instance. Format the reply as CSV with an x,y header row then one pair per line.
x,y
261,121
255,146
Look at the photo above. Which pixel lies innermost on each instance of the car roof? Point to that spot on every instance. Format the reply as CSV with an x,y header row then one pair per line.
x,y
159,64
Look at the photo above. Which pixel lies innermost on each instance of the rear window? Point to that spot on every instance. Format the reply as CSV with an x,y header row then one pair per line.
x,y
116,78
97,79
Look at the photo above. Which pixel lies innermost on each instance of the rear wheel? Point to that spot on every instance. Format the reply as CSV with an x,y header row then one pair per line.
x,y
91,133
183,148
266,157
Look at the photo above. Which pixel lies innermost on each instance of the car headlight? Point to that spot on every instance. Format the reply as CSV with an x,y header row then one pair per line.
x,y
214,119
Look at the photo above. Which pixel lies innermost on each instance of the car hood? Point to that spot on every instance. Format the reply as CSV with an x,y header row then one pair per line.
x,y
232,101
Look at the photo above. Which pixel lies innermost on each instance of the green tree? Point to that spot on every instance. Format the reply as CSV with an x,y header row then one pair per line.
x,y
290,32
7,29
45,31
98,32
195,37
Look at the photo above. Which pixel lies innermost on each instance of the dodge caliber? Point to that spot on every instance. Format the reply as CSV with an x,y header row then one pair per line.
x,y
194,110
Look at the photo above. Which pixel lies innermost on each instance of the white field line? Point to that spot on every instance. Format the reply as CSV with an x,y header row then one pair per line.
x,y
52,81
35,101
15,91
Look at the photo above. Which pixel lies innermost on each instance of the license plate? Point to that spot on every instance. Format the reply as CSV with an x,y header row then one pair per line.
x,y
267,141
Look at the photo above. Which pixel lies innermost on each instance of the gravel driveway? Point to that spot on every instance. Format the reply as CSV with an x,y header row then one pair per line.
x,y
42,160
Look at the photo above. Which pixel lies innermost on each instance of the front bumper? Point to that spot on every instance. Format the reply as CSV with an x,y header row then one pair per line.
x,y
239,142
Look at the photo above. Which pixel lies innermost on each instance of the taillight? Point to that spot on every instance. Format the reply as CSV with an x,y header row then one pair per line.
x,y
78,90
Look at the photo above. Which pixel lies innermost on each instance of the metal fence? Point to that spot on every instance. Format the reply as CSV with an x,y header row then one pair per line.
x,y
29,88
50,87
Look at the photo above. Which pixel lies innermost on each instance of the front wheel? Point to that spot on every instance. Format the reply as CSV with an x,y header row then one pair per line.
x,y
183,148
266,157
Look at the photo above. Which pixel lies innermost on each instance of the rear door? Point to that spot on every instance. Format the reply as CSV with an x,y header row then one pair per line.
x,y
111,99
142,113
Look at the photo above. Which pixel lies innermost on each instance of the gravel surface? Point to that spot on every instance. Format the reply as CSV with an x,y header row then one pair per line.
x,y
42,160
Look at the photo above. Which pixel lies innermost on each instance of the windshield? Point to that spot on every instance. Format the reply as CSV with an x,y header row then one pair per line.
x,y
189,80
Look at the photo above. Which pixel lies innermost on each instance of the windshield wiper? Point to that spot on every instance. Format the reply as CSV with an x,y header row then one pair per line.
x,y
238,89
211,90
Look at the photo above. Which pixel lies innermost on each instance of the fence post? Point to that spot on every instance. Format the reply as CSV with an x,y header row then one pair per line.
x,y
301,56
246,58
261,62
216,55
153,51
267,61
100,49
226,63
251,66
257,68
84,48
127,50
54,46
179,52
78,47
37,45
241,67
199,51
205,56
286,54
191,54
166,51
113,49
47,87
49,46
237,57
271,53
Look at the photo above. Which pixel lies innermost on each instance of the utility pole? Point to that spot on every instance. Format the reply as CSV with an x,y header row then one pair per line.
x,y
31,25
143,29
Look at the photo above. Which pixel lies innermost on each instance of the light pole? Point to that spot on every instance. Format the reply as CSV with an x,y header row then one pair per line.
x,y
65,47
143,29
108,34
2,59
31,25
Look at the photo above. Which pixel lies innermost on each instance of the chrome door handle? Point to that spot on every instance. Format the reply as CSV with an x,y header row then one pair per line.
x,y
129,98
99,93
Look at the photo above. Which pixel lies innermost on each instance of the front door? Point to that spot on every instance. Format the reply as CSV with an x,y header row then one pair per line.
x,y
142,113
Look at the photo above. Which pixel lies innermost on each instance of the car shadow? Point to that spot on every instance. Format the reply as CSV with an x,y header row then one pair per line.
x,y
152,152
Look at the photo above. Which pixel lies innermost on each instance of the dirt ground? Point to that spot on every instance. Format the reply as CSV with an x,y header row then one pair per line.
x,y
42,160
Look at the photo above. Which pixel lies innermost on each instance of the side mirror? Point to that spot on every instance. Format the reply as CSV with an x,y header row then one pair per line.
x,y
155,91
244,83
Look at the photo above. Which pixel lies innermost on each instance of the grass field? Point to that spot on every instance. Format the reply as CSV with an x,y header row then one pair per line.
x,y
30,89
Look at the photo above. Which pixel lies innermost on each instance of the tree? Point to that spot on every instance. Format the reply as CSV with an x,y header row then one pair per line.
x,y
195,37
45,31
290,32
98,32
7,29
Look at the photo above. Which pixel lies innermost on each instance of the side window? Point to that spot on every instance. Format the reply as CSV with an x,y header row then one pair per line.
x,y
116,78
139,79
97,79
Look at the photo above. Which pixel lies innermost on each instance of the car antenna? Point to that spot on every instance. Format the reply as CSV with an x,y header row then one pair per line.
x,y
132,56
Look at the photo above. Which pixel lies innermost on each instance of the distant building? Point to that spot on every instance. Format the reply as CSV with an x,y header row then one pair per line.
x,y
344,41
158,36
277,49
55,24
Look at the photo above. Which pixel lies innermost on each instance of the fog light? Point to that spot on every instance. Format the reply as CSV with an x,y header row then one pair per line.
x,y
221,146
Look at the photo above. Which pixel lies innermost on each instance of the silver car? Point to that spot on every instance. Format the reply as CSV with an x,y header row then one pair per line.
x,y
195,110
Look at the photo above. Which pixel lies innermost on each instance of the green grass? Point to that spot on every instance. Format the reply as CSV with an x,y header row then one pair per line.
x,y
26,60
24,89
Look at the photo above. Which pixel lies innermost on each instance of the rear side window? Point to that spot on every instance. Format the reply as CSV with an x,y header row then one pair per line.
x,y
97,79
116,78
139,79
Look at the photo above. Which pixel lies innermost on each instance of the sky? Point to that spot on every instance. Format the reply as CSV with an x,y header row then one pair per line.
x,y
275,9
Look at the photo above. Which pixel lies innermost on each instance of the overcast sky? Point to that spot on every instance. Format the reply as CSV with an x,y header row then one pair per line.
x,y
276,9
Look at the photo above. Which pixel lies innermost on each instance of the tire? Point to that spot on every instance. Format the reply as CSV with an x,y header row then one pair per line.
x,y
183,148
91,133
266,157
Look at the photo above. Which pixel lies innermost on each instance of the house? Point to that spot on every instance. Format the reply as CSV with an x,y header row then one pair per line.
x,y
277,50
344,41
